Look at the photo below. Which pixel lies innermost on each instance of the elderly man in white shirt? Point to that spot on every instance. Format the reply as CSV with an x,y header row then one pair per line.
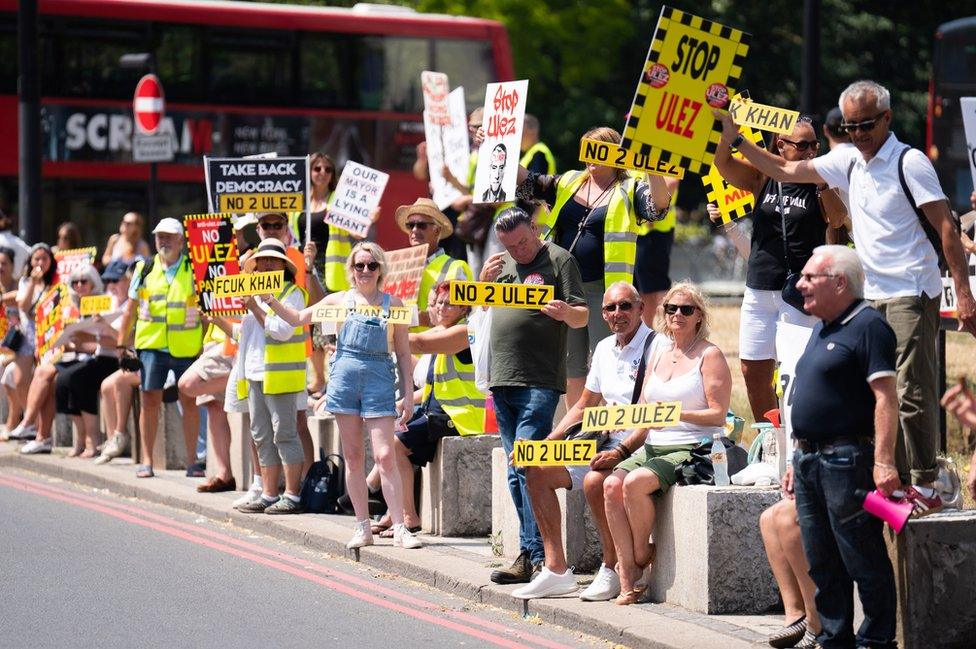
x,y
613,372
901,265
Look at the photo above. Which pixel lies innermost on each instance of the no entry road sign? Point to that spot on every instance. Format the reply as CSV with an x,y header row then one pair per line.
x,y
148,104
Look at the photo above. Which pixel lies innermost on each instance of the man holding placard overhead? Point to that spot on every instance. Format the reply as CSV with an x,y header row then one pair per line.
x,y
528,358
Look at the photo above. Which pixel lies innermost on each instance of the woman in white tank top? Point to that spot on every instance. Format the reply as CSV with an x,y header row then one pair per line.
x,y
690,370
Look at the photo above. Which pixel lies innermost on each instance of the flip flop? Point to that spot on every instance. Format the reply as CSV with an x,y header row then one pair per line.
x,y
379,529
632,596
145,471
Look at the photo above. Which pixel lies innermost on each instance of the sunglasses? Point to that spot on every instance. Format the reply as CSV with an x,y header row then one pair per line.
x,y
809,277
686,309
325,169
277,225
803,145
75,282
418,225
618,306
865,126
360,266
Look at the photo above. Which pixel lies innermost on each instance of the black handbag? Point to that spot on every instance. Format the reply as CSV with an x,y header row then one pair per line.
x,y
13,340
790,293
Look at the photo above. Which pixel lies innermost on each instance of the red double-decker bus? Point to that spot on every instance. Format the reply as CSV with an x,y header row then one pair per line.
x,y
240,78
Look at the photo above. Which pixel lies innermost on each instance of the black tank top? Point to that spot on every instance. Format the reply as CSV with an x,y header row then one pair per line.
x,y
805,230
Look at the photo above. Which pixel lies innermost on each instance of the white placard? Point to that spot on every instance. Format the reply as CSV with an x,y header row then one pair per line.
x,y
791,340
968,106
448,145
498,156
947,305
358,193
435,87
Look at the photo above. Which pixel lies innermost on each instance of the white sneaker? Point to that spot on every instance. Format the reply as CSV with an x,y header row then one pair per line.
x,y
23,432
547,584
404,538
605,586
34,447
253,492
113,448
363,536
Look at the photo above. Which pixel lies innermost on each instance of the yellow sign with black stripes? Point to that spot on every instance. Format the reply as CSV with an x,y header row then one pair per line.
x,y
248,284
732,202
639,415
691,67
553,452
398,315
746,112
517,296
95,304
614,155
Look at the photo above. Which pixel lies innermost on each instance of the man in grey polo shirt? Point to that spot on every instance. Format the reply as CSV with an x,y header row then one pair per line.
x,y
902,278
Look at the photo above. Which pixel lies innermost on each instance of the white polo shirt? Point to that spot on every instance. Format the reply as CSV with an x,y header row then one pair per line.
x,y
898,259
613,369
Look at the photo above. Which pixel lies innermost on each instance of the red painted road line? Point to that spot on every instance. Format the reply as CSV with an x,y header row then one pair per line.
x,y
280,561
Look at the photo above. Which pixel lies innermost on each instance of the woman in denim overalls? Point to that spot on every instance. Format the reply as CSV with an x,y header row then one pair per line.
x,y
362,384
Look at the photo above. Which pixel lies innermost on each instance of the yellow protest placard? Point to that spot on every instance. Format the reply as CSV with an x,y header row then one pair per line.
x,y
732,202
248,284
614,155
95,304
561,452
691,67
398,315
639,415
238,203
746,112
518,296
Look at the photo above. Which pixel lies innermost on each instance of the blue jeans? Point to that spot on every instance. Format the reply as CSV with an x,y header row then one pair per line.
x,y
843,544
524,413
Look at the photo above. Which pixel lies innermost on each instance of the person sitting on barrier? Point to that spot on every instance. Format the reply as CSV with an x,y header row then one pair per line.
x,y
449,402
691,370
362,385
615,368
960,403
8,286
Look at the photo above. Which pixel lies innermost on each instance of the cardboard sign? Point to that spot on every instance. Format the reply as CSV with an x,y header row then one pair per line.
x,y
732,202
4,323
404,270
356,196
791,341
968,109
241,185
398,315
614,155
517,296
448,145
947,305
638,415
213,253
435,87
249,284
691,67
553,452
498,156
95,304
745,112
50,322
69,260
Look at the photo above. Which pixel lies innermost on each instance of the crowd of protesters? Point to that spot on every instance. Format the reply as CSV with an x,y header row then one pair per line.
x,y
616,332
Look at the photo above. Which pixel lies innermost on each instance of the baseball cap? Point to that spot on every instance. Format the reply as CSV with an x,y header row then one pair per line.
x,y
169,225
241,221
115,271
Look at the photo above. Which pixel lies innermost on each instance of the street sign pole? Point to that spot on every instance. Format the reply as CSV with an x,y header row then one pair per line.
x,y
148,110
29,125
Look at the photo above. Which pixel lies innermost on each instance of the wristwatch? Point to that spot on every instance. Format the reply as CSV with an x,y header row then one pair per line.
x,y
737,141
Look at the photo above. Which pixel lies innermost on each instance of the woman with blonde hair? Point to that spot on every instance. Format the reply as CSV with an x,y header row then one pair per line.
x,y
362,385
693,371
127,244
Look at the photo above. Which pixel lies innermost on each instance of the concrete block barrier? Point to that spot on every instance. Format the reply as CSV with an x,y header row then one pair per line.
x,y
455,496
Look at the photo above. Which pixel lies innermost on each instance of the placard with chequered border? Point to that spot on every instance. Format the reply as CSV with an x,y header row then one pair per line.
x,y
732,202
691,67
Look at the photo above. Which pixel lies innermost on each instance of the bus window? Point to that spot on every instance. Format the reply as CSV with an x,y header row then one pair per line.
x,y
8,53
388,73
323,78
179,61
81,59
250,67
468,64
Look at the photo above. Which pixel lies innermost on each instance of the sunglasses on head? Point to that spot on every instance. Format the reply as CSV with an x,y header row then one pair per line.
x,y
865,126
419,225
686,309
360,266
802,145
618,306
276,225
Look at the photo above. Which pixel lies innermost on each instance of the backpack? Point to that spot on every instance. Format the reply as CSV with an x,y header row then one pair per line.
x,y
324,484
699,470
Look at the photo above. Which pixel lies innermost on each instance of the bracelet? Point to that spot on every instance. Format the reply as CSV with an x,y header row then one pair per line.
x,y
737,141
623,450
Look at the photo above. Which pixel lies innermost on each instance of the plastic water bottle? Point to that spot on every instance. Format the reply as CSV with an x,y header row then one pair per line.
x,y
720,463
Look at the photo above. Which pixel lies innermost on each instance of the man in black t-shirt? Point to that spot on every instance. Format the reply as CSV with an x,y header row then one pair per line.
x,y
844,417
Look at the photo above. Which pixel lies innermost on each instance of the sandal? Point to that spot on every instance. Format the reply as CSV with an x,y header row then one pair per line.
x,y
145,471
378,529
631,596
388,532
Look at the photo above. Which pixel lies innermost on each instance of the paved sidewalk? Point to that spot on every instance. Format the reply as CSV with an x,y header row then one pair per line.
x,y
456,565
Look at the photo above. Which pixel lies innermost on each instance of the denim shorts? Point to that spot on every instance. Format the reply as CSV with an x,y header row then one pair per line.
x,y
157,364
361,385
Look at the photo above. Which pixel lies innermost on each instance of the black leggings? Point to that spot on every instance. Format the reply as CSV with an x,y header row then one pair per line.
x,y
77,387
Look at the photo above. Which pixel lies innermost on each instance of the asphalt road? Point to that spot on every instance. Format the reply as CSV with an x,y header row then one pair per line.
x,y
81,568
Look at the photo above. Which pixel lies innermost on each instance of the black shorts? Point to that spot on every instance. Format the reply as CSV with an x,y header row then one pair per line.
x,y
422,435
653,261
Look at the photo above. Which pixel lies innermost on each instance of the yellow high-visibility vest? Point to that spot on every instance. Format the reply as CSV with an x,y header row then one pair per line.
x,y
284,361
168,314
536,148
441,268
336,251
455,389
